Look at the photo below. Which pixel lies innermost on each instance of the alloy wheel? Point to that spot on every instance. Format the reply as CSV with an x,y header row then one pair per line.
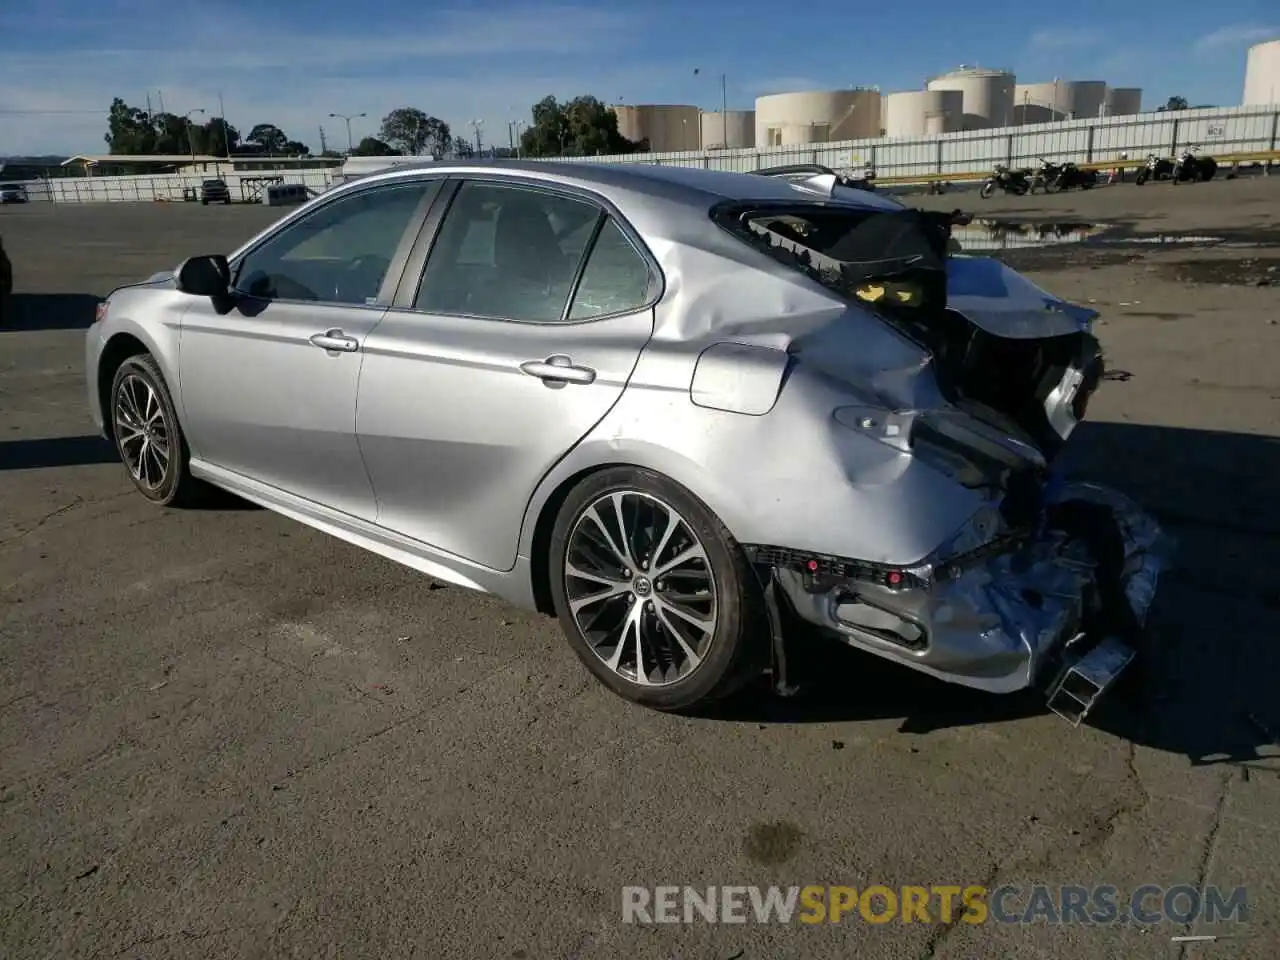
x,y
142,432
640,588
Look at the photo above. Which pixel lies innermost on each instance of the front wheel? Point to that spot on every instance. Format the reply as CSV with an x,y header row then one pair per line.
x,y
144,425
987,190
653,593
1141,178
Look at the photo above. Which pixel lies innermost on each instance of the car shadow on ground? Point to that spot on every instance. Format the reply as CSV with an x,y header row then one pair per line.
x,y
56,452
52,452
49,311
1206,691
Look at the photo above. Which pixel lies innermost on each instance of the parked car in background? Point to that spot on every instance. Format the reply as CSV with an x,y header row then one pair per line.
x,y
13,193
214,191
680,409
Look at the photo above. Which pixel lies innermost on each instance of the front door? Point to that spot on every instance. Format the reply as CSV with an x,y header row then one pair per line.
x,y
528,320
268,386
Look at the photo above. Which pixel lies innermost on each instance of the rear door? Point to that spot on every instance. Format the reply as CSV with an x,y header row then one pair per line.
x,y
515,339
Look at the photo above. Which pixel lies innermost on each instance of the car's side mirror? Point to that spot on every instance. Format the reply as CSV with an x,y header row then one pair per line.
x,y
205,276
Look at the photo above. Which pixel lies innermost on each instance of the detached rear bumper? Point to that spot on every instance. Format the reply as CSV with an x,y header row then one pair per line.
x,y
1009,616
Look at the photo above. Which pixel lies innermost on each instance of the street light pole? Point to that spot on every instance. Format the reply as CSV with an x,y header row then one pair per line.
x,y
191,140
724,110
348,119
476,126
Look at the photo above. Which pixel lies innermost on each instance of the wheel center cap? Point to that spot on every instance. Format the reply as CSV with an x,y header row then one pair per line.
x,y
641,586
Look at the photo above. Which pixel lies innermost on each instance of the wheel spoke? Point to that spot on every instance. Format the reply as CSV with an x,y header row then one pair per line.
x,y
661,613
684,556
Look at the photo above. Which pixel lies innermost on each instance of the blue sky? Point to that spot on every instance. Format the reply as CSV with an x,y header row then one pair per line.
x,y
292,63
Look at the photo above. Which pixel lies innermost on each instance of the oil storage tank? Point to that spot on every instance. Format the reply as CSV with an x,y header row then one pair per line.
x,y
1262,75
1059,100
817,116
923,113
1124,101
729,131
987,95
667,127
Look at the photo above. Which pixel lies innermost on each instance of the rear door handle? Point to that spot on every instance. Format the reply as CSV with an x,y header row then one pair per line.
x,y
335,339
558,369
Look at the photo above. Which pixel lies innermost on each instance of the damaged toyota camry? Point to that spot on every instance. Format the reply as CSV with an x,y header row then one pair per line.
x,y
681,410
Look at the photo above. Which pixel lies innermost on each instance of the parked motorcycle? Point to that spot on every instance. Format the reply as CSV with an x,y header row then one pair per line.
x,y
1156,168
1055,177
1190,167
1016,182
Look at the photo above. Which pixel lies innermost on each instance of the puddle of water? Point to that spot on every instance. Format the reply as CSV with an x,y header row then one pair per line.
x,y
982,235
1249,272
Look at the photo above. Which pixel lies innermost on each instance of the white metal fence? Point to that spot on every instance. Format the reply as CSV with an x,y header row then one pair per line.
x,y
167,186
1218,131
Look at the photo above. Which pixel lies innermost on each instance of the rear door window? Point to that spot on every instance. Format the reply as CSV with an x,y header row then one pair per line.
x,y
507,252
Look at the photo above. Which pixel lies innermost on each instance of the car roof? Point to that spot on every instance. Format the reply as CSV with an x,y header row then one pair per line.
x,y
691,184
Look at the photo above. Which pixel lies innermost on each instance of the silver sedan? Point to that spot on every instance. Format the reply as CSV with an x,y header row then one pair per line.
x,y
684,411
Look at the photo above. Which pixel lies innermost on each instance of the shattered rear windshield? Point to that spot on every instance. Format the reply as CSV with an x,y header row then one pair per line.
x,y
877,256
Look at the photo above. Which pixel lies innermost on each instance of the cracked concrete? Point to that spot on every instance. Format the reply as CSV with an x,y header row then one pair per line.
x,y
224,735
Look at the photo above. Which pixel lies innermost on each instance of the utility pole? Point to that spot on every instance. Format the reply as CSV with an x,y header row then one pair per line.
x,y
476,125
324,147
222,115
724,110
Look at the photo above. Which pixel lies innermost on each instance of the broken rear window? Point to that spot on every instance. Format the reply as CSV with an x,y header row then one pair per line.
x,y
893,258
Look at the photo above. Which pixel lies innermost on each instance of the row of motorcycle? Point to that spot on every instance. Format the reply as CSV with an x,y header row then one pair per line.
x,y
1050,177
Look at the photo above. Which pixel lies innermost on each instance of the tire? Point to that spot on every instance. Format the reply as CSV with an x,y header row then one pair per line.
x,y
729,654
987,190
173,484
1053,186
1141,178
204,203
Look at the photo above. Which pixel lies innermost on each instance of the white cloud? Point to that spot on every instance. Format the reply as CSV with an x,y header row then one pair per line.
x,y
459,65
1235,35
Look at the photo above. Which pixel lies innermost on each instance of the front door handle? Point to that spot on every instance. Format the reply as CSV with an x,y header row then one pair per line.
x,y
558,369
335,339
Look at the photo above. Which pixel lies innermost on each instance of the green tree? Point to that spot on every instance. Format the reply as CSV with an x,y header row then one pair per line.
x,y
1173,103
267,138
464,148
373,147
582,126
416,132
129,129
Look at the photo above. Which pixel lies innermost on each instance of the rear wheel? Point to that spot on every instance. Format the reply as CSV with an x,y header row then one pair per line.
x,y
1053,185
144,425
987,190
654,595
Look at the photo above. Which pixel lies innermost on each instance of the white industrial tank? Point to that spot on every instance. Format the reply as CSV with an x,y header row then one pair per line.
x,y
1262,75
923,113
988,95
1059,100
1124,101
817,116
667,126
732,130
